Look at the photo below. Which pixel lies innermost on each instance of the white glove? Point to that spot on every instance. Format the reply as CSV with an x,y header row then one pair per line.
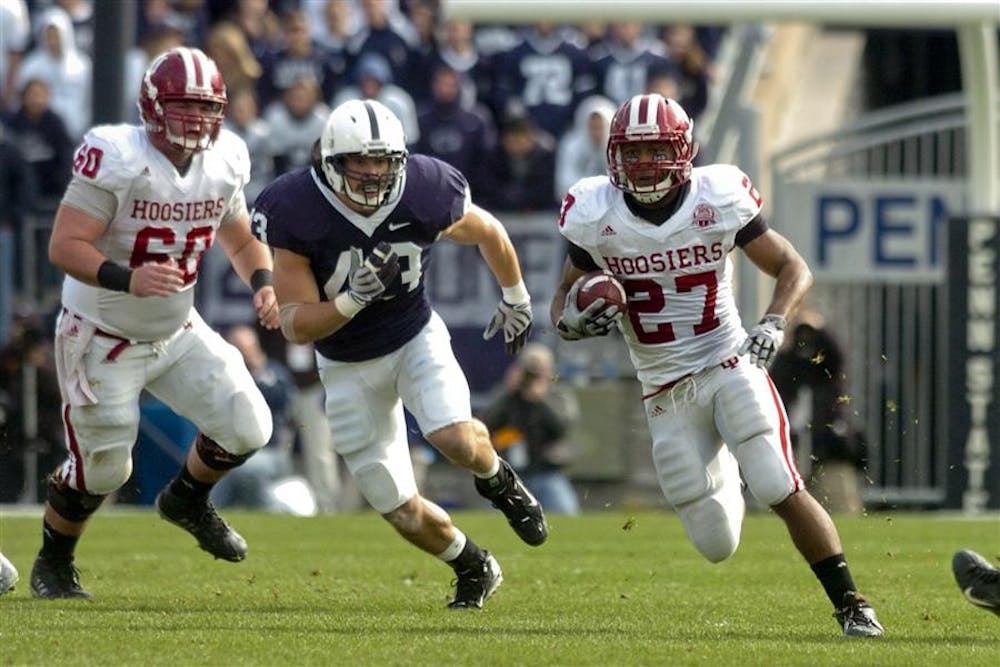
x,y
594,320
764,340
369,280
515,320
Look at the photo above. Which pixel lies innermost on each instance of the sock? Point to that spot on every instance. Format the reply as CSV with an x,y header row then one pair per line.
x,y
455,548
55,544
187,487
472,556
492,472
835,576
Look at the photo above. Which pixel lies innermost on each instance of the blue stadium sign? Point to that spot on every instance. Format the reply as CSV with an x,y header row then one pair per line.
x,y
858,231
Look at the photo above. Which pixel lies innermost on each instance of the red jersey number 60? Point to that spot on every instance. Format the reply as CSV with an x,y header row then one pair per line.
x,y
87,161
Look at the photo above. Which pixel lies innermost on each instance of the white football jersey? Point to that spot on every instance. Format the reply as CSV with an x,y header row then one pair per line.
x,y
682,313
160,214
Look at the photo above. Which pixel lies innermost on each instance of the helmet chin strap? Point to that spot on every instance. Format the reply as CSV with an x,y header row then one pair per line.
x,y
186,143
649,197
361,199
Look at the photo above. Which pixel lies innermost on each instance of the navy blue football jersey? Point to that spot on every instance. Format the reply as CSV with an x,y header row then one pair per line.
x,y
299,213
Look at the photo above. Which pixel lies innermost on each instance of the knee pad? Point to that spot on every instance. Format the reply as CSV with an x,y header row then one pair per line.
x,y
70,504
382,491
252,423
106,470
215,457
713,523
714,520
768,474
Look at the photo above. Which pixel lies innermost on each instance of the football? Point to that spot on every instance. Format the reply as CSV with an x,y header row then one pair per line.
x,y
600,285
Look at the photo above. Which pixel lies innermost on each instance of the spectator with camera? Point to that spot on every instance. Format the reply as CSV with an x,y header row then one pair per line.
x,y
529,420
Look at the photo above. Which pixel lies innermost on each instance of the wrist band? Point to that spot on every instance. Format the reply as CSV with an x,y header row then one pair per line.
x,y
347,306
261,278
516,294
114,276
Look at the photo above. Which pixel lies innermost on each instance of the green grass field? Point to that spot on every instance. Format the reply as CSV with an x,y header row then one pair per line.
x,y
607,589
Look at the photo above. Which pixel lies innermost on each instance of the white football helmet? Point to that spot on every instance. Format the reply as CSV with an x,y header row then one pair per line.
x,y
364,128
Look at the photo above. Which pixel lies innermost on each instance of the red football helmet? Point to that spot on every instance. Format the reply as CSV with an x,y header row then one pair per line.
x,y
648,119
183,74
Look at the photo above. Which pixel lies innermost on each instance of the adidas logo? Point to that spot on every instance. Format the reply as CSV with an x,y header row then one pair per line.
x,y
657,411
608,231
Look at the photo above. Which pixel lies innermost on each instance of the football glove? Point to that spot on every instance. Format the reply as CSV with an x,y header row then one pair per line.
x,y
370,279
515,320
594,320
764,340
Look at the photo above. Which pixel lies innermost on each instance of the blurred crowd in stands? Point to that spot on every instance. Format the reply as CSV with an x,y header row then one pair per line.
x,y
501,103
522,111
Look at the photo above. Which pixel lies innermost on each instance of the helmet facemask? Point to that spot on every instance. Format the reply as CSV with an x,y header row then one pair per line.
x,y
650,180
376,189
197,131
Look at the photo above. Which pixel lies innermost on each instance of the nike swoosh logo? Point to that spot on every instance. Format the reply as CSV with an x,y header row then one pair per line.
x,y
393,226
979,602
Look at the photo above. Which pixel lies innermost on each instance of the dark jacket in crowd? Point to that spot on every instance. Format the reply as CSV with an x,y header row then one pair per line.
x,y
816,360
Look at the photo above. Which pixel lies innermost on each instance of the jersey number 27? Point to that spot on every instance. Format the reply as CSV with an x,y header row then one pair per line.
x,y
647,296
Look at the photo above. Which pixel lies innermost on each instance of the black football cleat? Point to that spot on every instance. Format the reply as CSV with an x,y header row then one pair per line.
x,y
56,578
201,520
509,495
474,586
857,618
979,581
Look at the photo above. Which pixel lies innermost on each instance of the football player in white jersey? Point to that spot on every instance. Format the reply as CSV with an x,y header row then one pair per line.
x,y
144,205
665,229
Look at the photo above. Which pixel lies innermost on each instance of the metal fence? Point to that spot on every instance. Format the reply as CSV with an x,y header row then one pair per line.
x,y
894,333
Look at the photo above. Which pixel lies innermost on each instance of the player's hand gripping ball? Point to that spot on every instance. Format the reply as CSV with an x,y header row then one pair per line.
x,y
594,304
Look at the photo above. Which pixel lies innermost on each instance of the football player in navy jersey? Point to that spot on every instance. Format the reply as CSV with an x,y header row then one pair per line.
x,y
351,238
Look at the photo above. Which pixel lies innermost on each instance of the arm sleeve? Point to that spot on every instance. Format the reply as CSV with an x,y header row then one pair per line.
x,y
580,258
751,230
91,199
237,208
